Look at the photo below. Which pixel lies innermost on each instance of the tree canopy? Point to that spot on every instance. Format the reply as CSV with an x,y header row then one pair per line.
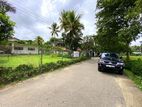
x,y
54,29
72,29
118,24
6,25
6,7
39,41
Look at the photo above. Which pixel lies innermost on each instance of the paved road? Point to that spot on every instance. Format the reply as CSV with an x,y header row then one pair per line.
x,y
79,85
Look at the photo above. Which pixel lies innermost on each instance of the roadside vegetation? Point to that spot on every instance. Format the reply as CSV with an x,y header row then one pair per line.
x,y
134,70
52,54
22,72
118,23
16,60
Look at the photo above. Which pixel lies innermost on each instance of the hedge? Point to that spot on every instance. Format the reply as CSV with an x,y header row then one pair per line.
x,y
8,75
135,66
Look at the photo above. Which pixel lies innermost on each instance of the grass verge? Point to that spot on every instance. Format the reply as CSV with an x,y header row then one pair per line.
x,y
16,60
137,79
22,72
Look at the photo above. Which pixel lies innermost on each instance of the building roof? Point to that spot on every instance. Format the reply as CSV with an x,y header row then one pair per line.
x,y
11,39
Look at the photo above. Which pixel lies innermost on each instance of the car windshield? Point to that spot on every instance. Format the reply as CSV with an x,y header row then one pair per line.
x,y
108,56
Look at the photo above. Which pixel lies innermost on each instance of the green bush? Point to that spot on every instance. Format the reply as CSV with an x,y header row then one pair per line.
x,y
135,66
63,63
24,67
4,74
49,67
8,75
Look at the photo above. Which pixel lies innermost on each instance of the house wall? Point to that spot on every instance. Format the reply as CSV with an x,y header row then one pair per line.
x,y
25,50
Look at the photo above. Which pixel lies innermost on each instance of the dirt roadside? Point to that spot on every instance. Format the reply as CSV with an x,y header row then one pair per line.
x,y
132,95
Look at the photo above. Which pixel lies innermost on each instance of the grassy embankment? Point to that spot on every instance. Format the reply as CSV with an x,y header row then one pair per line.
x,y
134,70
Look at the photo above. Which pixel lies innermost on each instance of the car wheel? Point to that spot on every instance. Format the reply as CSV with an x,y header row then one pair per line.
x,y
99,69
120,72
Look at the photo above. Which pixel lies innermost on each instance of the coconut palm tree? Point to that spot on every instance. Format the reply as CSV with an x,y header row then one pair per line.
x,y
6,7
54,29
54,33
72,28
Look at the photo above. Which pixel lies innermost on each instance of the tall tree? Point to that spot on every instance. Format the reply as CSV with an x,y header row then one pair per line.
x,y
118,25
6,25
54,30
88,44
72,29
39,40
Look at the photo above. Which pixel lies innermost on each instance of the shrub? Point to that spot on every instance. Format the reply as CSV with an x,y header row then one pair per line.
x,y
63,63
21,72
4,74
24,67
48,67
135,66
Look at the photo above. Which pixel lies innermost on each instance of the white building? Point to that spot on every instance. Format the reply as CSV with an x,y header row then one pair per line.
x,y
17,48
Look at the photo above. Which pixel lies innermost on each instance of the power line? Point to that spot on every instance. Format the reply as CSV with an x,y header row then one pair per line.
x,y
30,12
32,16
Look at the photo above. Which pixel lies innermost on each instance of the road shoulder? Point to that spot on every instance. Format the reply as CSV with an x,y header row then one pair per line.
x,y
132,95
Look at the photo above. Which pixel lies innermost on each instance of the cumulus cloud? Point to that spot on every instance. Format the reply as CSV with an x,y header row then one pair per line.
x,y
34,17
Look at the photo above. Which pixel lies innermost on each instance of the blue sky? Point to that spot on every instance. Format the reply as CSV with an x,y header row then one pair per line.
x,y
33,17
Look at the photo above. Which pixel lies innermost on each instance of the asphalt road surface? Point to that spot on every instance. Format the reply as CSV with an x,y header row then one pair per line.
x,y
79,85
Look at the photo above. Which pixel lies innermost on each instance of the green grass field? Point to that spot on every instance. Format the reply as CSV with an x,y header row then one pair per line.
x,y
14,61
135,57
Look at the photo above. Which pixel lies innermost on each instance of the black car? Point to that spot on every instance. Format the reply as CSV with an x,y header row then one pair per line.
x,y
110,61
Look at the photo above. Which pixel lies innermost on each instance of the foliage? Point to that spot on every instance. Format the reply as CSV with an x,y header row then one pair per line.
x,y
54,40
6,25
21,72
24,67
135,48
135,66
72,29
118,24
30,42
16,60
6,7
39,40
88,43
21,41
133,69
54,29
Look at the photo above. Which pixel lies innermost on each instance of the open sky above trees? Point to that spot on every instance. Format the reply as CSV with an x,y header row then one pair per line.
x,y
33,18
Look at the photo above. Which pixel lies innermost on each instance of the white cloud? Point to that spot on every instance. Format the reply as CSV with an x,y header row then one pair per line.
x,y
63,1
137,42
47,7
33,17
